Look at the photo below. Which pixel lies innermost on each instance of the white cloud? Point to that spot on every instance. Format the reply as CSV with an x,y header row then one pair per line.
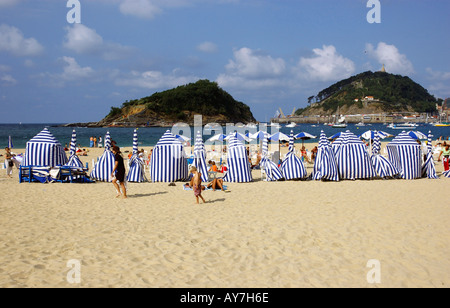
x,y
8,3
84,40
326,65
153,79
389,55
13,41
439,82
252,70
207,47
7,80
140,8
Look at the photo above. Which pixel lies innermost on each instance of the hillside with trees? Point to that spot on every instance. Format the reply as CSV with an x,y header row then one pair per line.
x,y
371,92
180,105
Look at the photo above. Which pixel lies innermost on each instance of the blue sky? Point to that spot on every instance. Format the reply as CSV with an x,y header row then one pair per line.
x,y
267,54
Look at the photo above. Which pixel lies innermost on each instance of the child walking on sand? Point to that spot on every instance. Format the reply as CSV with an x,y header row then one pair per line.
x,y
197,184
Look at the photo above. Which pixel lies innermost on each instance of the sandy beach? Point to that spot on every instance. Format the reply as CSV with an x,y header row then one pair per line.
x,y
259,234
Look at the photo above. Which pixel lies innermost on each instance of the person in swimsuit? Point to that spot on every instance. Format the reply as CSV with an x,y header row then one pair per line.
x,y
118,173
446,153
197,184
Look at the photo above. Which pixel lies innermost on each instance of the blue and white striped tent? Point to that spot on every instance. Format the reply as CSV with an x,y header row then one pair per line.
x,y
270,168
325,167
446,174
382,166
237,163
292,166
74,160
352,158
405,154
105,165
428,168
136,172
168,162
200,157
44,150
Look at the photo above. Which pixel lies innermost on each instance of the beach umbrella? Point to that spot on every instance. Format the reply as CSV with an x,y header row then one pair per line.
x,y
405,154
352,158
382,166
417,135
44,150
103,168
200,157
74,160
428,168
237,163
279,136
136,171
270,168
370,134
292,166
218,137
168,162
10,142
182,138
258,135
304,136
325,167
238,136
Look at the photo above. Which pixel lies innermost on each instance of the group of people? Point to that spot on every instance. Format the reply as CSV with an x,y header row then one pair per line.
x,y
93,142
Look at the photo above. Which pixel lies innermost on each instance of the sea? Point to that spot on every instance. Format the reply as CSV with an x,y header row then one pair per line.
x,y
149,136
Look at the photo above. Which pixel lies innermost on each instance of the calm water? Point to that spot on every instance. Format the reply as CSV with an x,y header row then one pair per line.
x,y
149,136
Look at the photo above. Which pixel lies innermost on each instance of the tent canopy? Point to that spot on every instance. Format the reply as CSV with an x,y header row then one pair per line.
x,y
44,150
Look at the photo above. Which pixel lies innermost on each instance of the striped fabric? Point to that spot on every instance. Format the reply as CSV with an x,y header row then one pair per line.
x,y
428,168
74,160
292,166
353,160
44,150
168,162
270,168
405,154
105,165
136,172
200,157
325,167
237,163
382,166
446,174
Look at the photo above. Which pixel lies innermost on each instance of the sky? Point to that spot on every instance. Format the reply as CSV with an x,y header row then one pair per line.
x,y
63,65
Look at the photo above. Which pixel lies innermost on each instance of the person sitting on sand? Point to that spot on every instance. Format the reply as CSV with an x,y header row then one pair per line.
x,y
314,153
216,183
118,173
197,184
213,167
258,160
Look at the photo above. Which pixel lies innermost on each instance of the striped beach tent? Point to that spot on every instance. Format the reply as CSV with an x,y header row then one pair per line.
x,y
44,150
428,168
105,165
200,157
382,166
446,174
136,171
405,154
237,163
168,162
74,160
292,166
352,158
270,168
325,167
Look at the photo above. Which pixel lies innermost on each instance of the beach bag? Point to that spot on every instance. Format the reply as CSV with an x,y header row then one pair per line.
x,y
10,163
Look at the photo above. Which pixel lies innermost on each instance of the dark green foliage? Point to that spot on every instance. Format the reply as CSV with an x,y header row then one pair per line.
x,y
394,93
202,97
114,112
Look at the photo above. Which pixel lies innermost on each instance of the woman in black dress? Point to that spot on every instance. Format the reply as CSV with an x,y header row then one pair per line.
x,y
118,172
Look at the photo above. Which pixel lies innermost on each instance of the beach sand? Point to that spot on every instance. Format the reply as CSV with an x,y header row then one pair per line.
x,y
259,234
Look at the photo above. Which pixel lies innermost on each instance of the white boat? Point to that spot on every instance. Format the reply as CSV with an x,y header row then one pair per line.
x,y
272,124
291,125
339,125
402,126
360,124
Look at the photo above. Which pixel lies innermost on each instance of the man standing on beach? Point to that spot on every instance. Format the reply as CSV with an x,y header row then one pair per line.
x,y
118,173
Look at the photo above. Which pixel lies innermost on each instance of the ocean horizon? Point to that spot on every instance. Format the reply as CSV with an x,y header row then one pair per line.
x,y
149,136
